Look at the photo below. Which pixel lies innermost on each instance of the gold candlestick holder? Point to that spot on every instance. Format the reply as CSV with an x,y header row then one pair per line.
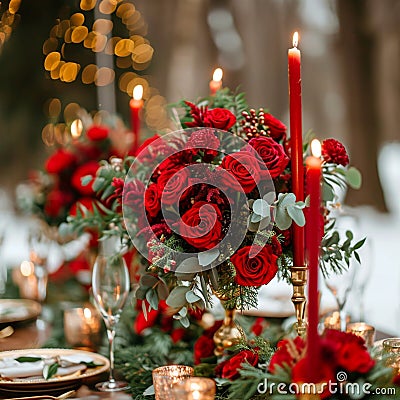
x,y
299,280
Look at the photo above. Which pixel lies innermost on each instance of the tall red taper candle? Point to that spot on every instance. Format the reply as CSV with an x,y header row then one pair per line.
x,y
296,145
313,238
136,104
216,82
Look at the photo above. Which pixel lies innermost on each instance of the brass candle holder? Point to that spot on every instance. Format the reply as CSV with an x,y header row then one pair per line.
x,y
391,352
299,280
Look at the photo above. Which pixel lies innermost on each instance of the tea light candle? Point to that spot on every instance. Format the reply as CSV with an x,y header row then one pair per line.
x,y
367,332
82,327
194,389
391,350
165,377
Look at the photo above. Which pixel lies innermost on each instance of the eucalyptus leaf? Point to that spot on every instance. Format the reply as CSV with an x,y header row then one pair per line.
x,y
188,269
98,183
270,197
328,193
177,297
261,207
192,297
255,218
297,215
353,178
152,298
207,257
183,312
149,391
264,224
85,180
185,322
162,290
285,199
282,218
148,280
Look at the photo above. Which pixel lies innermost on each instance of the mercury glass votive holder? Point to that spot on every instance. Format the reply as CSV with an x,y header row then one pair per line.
x,y
367,332
82,327
195,388
391,351
165,377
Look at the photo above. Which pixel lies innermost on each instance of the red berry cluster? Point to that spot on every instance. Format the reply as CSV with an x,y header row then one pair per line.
x,y
254,124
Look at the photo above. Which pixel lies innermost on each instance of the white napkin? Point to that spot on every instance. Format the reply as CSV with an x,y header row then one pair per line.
x,y
11,368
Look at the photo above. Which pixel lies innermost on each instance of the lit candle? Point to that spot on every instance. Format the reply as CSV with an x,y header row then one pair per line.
x,y
76,128
296,144
136,104
313,235
216,82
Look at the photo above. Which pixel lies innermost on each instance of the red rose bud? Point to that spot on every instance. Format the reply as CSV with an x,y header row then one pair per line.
x,y
97,133
60,161
334,152
254,269
276,128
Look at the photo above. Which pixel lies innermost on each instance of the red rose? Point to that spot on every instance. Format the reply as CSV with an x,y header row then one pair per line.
x,y
289,353
334,152
203,348
350,351
151,148
97,133
272,153
152,200
55,201
276,128
133,195
201,225
90,168
171,185
203,140
244,169
219,118
276,246
86,202
59,161
254,269
232,368
396,380
326,373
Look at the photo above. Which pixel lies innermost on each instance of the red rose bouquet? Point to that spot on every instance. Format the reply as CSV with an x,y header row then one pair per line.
x,y
66,184
210,206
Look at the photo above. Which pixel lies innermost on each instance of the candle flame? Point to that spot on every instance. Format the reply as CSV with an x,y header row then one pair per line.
x,y
76,128
27,268
217,75
316,148
87,313
295,39
138,92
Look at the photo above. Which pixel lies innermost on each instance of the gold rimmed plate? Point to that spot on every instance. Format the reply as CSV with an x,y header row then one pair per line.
x,y
90,375
18,310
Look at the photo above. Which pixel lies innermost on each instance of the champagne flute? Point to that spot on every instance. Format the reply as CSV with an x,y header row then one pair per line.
x,y
110,286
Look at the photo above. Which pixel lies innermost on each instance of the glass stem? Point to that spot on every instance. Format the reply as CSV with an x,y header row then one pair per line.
x,y
111,336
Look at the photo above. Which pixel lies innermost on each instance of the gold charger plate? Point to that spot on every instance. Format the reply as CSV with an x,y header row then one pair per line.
x,y
43,385
18,310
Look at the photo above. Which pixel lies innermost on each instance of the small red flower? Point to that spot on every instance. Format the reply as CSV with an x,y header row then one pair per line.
x,y
203,348
97,133
289,353
152,200
60,161
334,152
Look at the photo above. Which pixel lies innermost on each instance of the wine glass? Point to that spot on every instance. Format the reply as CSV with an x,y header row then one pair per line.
x,y
110,286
